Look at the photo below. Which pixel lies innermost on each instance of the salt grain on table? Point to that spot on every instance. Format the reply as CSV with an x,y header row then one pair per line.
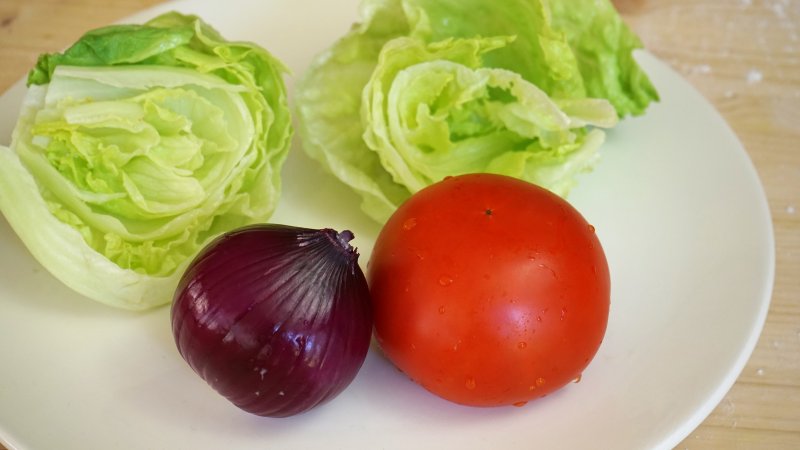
x,y
754,76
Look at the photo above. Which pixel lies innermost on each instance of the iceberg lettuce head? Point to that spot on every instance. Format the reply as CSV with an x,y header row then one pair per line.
x,y
423,89
138,145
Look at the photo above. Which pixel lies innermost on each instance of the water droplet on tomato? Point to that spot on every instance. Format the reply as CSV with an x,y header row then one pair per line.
x,y
540,382
563,313
578,378
519,404
442,309
444,280
549,269
521,345
591,228
469,383
409,223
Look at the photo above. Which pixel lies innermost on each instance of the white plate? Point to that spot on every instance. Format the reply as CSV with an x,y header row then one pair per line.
x,y
675,200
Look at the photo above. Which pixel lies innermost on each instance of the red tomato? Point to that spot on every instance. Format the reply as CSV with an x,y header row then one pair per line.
x,y
489,290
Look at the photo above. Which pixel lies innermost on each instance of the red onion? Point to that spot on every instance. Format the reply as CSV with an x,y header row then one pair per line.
x,y
276,318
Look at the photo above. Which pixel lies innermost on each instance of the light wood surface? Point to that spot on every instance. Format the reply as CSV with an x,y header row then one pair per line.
x,y
742,55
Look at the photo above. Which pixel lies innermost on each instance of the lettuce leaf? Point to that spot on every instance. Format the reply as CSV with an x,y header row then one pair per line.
x,y
137,146
433,111
604,49
422,89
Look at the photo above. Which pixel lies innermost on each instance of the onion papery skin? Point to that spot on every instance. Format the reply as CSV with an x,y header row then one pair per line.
x,y
275,318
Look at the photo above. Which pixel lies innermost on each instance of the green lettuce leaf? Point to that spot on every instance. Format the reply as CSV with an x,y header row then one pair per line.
x,y
422,89
137,146
433,111
604,49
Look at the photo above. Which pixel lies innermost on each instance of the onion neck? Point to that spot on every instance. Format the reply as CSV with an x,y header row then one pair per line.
x,y
342,242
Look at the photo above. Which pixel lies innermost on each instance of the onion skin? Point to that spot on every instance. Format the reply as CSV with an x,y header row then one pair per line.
x,y
275,318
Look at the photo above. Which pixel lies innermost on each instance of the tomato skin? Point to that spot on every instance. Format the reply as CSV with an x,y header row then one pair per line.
x,y
488,290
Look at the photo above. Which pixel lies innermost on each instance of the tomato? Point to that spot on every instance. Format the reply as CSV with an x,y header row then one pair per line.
x,y
489,290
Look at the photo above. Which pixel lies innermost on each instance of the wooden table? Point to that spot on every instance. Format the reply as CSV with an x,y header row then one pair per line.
x,y
743,55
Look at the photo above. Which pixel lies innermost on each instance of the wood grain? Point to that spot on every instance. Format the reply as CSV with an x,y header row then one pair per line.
x,y
742,55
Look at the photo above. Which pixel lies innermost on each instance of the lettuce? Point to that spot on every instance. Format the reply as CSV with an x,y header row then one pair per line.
x,y
138,145
422,89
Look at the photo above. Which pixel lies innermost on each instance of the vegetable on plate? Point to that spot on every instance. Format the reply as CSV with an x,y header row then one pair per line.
x,y
422,89
275,318
137,146
488,290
